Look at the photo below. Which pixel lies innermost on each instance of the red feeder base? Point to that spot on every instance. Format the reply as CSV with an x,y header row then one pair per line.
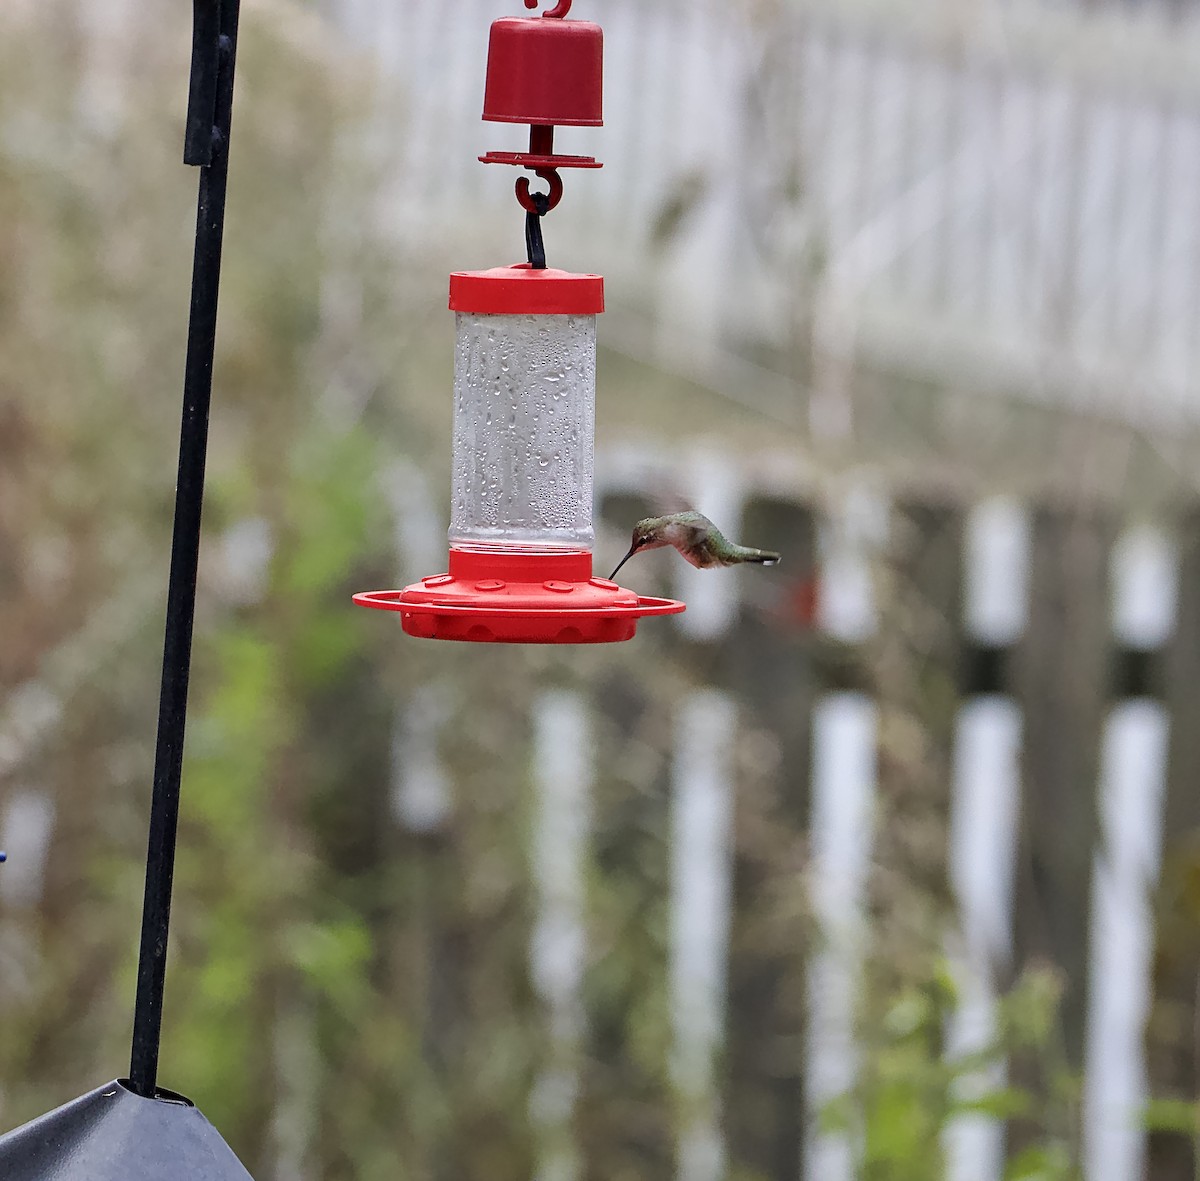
x,y
498,598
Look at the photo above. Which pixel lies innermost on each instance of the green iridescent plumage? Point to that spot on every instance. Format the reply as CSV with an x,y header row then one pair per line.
x,y
697,539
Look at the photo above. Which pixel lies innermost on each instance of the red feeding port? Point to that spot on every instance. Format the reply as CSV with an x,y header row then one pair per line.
x,y
519,599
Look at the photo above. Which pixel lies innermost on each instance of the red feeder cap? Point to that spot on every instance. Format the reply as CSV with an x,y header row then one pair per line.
x,y
545,72
522,291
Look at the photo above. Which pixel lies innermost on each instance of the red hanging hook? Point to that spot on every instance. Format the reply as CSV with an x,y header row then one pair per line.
x,y
551,177
559,11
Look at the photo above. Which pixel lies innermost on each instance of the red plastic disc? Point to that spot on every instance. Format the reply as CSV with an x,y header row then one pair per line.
x,y
533,161
520,290
519,599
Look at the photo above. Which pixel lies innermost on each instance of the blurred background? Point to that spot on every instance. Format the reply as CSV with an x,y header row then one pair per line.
x,y
882,864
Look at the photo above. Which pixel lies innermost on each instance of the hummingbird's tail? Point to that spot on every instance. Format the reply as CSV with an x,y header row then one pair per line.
x,y
760,557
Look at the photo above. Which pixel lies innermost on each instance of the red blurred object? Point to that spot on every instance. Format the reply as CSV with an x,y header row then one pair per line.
x,y
519,599
800,602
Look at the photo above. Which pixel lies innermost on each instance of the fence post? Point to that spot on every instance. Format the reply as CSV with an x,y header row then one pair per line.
x,y
461,965
920,650
1171,1030
767,663
625,1113
1061,674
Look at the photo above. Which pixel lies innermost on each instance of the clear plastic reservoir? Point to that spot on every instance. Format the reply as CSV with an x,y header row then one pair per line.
x,y
524,429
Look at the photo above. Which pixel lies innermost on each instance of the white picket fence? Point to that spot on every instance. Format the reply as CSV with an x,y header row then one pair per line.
x,y
843,777
984,826
962,207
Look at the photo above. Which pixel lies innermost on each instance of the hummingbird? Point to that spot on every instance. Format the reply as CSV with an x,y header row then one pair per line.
x,y
696,538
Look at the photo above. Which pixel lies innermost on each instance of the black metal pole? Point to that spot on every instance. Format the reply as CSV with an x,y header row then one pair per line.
x,y
207,144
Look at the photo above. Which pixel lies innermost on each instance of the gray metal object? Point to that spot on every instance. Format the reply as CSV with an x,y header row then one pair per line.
x,y
112,1134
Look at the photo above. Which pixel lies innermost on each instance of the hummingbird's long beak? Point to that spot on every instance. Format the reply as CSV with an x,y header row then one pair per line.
x,y
622,563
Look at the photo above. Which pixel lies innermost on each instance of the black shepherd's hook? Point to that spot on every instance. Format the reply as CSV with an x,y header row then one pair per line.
x,y
208,45
206,145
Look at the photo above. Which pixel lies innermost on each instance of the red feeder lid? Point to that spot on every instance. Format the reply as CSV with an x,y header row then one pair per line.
x,y
519,599
521,291
545,72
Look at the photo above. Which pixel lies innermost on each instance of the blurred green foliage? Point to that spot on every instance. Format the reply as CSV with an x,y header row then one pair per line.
x,y
910,1088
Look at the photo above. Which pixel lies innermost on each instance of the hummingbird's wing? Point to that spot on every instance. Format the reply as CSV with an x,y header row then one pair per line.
x,y
669,502
704,546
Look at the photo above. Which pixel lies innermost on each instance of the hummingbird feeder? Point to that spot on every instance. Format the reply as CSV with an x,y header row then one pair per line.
x,y
521,533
